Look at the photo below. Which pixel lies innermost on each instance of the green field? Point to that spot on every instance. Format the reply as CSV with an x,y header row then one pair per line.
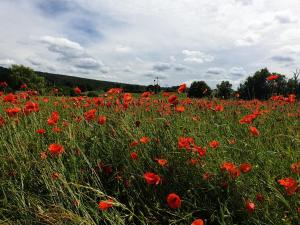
x,y
118,157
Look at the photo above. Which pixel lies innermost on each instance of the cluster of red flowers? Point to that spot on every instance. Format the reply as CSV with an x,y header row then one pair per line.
x,y
235,171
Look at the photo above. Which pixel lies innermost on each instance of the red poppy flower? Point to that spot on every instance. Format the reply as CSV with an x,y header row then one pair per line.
x,y
181,88
133,155
179,108
12,111
152,178
90,115
56,149
101,120
201,151
254,131
41,131
173,99
104,205
174,201
227,166
77,90
259,197
55,175
219,108
198,222
245,167
272,77
290,184
127,97
214,144
250,206
146,94
295,167
134,143
185,142
23,86
144,140
162,162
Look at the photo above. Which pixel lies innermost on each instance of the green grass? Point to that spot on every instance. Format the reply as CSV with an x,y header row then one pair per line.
x,y
96,164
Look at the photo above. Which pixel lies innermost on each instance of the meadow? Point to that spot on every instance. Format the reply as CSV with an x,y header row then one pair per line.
x,y
148,159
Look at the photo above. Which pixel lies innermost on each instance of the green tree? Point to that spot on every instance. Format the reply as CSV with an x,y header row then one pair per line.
x,y
199,89
256,86
224,90
19,74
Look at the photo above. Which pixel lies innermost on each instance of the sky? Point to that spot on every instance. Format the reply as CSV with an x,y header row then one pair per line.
x,y
135,41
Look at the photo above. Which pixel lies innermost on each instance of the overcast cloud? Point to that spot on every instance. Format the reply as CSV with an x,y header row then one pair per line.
x,y
134,41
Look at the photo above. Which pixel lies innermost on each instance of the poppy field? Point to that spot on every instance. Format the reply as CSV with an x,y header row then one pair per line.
x,y
124,158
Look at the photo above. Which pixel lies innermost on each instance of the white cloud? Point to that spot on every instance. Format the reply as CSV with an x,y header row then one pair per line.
x,y
161,67
245,2
6,62
197,56
285,17
237,71
127,38
122,49
248,40
215,71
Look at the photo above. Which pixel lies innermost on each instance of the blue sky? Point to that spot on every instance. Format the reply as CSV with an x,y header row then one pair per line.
x,y
134,41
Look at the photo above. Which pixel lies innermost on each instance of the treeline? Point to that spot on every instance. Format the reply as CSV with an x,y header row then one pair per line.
x,y
262,85
17,75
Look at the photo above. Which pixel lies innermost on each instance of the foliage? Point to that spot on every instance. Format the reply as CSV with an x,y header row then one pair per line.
x,y
199,89
19,75
224,90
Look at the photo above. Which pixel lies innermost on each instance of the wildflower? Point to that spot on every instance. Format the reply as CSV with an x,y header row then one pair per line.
x,y
214,144
104,205
146,94
174,201
90,115
12,111
295,167
41,131
245,167
185,142
254,131
290,185
144,140
272,77
162,162
152,178
134,143
259,197
201,151
198,222
250,206
101,120
133,155
23,86
173,99
181,88
55,175
77,90
179,108
127,97
219,108
56,149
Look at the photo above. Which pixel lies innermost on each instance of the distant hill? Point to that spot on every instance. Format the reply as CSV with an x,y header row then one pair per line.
x,y
64,81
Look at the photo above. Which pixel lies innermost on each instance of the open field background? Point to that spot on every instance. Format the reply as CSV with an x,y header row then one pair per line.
x,y
202,150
